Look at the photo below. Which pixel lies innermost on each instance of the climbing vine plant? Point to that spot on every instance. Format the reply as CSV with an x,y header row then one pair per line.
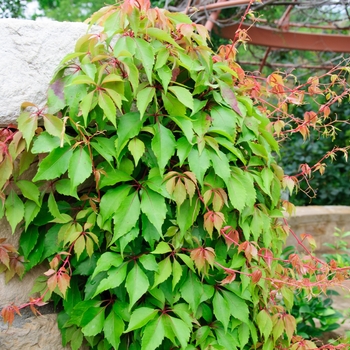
x,y
155,196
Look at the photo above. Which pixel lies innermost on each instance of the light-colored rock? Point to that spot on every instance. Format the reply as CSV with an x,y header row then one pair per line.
x,y
32,333
320,222
30,53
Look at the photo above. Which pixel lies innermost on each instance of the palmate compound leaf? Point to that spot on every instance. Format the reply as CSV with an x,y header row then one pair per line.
x,y
137,284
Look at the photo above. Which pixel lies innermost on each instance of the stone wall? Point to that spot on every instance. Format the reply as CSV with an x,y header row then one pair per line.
x,y
320,222
30,53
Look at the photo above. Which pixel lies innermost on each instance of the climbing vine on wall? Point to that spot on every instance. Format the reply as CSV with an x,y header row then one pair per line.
x,y
155,197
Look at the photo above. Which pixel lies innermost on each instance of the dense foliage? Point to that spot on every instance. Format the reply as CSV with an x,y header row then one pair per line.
x,y
155,196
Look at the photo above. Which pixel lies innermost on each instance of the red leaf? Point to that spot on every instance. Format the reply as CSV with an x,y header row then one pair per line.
x,y
256,276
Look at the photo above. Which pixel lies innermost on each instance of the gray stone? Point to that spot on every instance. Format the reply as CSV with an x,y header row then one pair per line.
x,y
32,333
30,53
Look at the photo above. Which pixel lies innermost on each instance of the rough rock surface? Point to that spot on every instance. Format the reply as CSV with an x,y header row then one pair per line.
x,y
30,53
31,333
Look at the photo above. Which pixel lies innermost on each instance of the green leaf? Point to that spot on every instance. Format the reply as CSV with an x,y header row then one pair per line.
x,y
109,108
187,214
58,216
243,334
55,164
144,53
95,326
136,284
140,317
192,291
153,335
87,104
162,248
177,273
116,277
161,35
29,190
129,126
181,330
6,168
28,240
14,210
80,166
104,147
106,261
226,339
163,273
183,95
237,193
54,126
45,143
237,306
27,124
137,149
127,216
124,46
224,119
149,262
143,99
113,327
221,309
165,75
264,323
183,148
185,125
187,260
149,201
220,165
173,106
163,146
111,201
31,210
199,163
288,297
112,176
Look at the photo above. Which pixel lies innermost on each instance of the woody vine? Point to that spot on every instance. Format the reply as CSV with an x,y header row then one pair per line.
x,y
156,194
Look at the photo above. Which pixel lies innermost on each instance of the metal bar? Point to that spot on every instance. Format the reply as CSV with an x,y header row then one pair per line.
x,y
290,40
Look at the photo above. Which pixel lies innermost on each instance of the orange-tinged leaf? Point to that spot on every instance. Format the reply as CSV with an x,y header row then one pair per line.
x,y
79,246
230,278
8,313
63,281
179,192
198,257
289,325
52,282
